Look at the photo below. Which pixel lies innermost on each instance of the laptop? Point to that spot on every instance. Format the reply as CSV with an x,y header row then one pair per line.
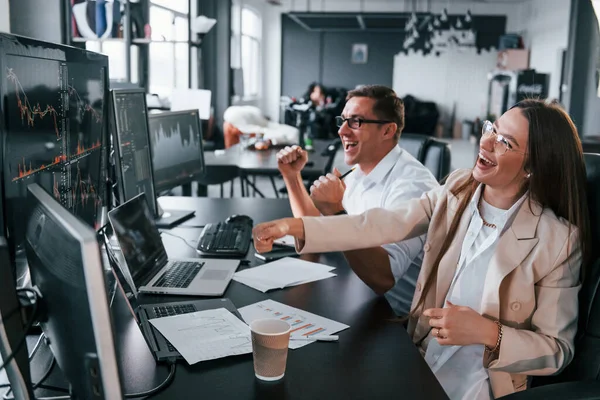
x,y
161,348
149,266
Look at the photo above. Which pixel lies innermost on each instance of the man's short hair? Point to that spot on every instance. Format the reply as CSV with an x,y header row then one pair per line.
x,y
387,106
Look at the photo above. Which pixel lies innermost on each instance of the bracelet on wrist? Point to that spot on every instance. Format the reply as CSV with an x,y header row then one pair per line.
x,y
497,347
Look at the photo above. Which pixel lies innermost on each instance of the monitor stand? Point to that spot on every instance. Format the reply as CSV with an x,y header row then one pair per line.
x,y
170,218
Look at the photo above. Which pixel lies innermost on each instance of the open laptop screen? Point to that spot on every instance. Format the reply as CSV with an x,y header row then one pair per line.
x,y
139,239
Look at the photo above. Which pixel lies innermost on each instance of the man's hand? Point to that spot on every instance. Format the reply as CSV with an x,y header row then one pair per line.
x,y
291,160
327,193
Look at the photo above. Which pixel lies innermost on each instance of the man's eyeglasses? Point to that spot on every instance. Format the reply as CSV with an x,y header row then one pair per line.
x,y
356,123
501,144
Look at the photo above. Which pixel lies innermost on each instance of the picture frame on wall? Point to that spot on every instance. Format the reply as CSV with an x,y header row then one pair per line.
x,y
360,53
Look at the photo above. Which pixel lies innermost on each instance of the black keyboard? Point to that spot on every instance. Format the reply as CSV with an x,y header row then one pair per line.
x,y
179,275
226,239
167,311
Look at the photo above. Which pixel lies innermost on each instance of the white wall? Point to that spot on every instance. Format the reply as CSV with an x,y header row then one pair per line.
x,y
454,79
516,21
546,33
4,16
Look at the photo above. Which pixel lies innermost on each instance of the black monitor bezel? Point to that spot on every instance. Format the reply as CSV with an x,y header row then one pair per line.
x,y
41,49
183,180
116,140
104,359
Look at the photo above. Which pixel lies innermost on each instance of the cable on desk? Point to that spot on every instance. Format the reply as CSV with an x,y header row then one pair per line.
x,y
27,327
182,238
157,389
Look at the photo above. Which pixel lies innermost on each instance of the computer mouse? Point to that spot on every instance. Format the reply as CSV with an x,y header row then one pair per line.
x,y
238,218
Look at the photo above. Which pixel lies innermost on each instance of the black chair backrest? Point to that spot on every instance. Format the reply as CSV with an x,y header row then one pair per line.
x,y
415,144
591,144
437,158
432,153
330,152
586,362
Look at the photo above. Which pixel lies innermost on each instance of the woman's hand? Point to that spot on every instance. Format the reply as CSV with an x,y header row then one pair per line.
x,y
458,325
266,233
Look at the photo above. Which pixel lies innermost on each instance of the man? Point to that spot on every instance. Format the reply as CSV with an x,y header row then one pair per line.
x,y
385,175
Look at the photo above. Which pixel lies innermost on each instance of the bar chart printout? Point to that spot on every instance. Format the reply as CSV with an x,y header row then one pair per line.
x,y
304,324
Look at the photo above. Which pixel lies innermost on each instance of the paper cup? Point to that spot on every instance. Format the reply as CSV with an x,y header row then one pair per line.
x,y
270,339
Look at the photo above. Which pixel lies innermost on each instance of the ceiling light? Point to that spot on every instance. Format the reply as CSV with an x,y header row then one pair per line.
x,y
444,16
415,33
468,16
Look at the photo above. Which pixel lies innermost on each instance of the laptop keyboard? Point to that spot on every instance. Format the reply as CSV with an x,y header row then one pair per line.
x,y
167,311
179,275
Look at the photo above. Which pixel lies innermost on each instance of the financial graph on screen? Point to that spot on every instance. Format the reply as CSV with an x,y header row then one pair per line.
x,y
177,153
134,146
55,133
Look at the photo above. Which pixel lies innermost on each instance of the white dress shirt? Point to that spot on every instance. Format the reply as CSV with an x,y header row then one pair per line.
x,y
459,368
398,177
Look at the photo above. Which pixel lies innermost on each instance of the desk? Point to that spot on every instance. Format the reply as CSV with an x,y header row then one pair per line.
x,y
374,358
264,162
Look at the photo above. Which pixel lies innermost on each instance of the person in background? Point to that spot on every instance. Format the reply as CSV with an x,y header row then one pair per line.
x,y
316,93
385,176
507,247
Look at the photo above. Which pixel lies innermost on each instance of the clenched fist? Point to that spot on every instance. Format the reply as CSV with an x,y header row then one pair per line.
x,y
291,160
327,193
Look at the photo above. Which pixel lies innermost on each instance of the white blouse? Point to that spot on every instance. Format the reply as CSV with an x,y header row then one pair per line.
x,y
460,369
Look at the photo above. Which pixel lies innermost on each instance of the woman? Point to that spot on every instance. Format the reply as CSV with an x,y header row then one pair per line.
x,y
496,299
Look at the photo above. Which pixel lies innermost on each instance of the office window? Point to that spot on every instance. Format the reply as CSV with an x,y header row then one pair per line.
x,y
168,58
250,51
246,35
117,64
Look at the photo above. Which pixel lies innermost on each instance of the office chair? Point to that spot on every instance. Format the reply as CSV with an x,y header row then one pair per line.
x,y
219,175
581,378
432,153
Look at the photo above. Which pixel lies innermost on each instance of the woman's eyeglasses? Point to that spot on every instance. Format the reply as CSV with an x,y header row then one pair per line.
x,y
501,144
356,123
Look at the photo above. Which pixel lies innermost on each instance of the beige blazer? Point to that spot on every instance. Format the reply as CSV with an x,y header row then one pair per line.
x,y
531,285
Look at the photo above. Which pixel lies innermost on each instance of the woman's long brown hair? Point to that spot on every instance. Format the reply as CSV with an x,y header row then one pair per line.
x,y
557,180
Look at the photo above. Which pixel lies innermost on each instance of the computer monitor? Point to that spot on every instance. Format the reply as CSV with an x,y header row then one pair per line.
x,y
71,280
12,330
176,144
53,122
132,146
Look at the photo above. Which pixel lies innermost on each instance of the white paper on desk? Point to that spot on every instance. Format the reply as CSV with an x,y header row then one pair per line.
x,y
285,272
205,335
303,323
265,287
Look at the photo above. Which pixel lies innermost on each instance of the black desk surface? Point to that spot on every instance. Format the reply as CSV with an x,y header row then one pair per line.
x,y
264,162
374,358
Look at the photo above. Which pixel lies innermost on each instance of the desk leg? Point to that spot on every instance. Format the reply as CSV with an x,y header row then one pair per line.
x,y
253,187
242,177
274,186
202,190
186,190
